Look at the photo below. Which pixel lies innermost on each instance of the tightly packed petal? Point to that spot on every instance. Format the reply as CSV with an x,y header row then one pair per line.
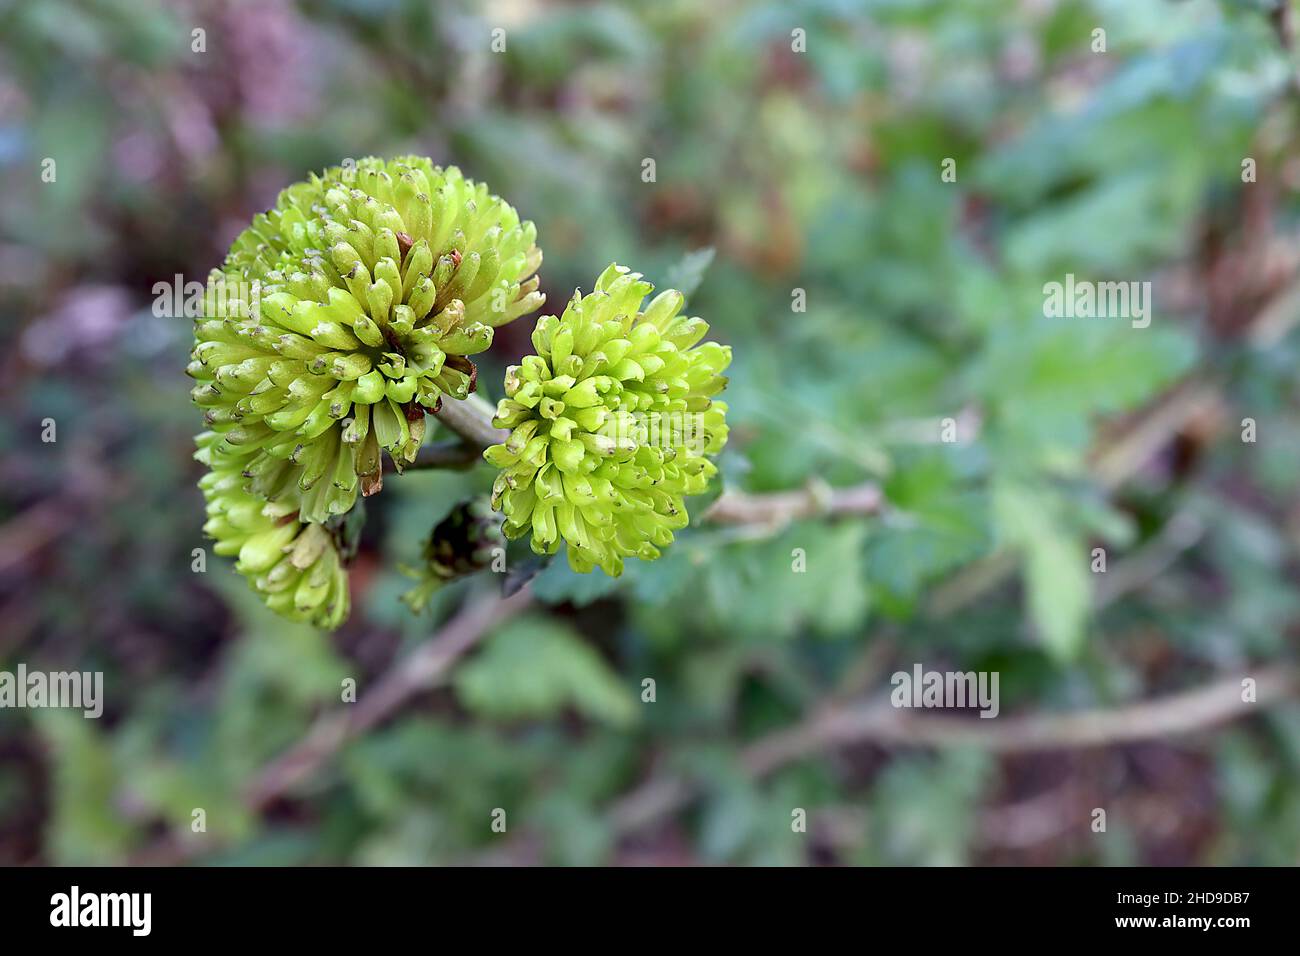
x,y
347,311
612,423
294,566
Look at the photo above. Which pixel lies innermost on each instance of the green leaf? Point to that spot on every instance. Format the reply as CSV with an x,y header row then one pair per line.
x,y
1047,379
811,577
688,272
935,525
558,583
924,809
84,828
535,667
1057,583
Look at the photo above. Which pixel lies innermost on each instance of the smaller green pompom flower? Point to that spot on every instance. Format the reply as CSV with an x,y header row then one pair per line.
x,y
294,566
613,422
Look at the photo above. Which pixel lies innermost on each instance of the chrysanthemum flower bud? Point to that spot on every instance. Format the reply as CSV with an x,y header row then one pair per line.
x,y
295,566
612,423
464,542
344,313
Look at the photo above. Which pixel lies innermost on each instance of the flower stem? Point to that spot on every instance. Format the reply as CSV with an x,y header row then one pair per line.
x,y
471,420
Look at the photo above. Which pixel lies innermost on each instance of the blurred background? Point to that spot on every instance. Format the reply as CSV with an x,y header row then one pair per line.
x,y
805,143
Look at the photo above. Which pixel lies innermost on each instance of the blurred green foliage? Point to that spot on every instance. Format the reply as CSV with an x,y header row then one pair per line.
x,y
817,171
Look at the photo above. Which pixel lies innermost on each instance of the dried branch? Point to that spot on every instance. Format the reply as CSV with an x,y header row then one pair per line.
x,y
880,723
782,507
416,672
471,420
33,529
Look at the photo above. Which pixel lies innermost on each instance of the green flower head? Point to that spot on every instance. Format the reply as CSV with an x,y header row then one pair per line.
x,y
294,566
347,311
612,422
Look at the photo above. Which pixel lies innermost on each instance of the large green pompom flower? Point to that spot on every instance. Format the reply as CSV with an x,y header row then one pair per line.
x,y
372,284
294,566
612,423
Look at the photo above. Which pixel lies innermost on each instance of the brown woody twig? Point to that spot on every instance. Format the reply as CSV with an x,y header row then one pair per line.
x,y
416,672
